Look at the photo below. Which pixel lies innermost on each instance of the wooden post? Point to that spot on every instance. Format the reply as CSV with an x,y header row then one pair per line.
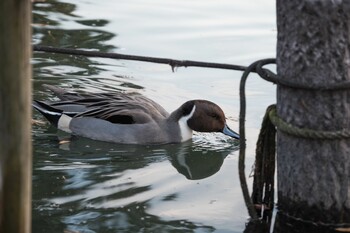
x,y
15,116
314,49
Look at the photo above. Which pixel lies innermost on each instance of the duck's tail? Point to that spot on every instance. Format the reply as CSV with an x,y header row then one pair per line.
x,y
61,93
50,113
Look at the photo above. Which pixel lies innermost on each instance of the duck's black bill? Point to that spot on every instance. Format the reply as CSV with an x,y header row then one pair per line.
x,y
229,132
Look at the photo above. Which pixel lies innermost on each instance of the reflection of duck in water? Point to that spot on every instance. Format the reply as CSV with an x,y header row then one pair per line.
x,y
196,162
131,118
192,159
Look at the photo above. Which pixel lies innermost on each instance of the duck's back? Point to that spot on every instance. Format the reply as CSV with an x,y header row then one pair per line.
x,y
116,107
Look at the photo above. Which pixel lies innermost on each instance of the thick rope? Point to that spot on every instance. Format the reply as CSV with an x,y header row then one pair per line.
x,y
272,77
304,132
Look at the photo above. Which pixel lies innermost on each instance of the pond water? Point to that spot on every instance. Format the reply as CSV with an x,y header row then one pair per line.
x,y
90,186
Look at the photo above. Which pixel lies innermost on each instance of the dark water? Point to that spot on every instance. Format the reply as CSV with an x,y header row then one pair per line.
x,y
89,186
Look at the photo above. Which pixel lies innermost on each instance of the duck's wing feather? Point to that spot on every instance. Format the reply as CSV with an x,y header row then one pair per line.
x,y
66,95
82,102
120,116
119,111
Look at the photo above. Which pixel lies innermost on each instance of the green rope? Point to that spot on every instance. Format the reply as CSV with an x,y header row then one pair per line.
x,y
304,132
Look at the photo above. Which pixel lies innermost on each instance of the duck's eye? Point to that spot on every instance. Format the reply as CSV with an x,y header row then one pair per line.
x,y
215,116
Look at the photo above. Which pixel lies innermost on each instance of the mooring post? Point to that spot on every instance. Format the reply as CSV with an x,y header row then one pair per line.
x,y
15,116
313,49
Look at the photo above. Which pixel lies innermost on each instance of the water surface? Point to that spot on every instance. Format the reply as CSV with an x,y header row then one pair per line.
x,y
89,186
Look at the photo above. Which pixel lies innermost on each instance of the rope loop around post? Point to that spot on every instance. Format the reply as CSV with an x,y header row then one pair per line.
x,y
305,132
269,76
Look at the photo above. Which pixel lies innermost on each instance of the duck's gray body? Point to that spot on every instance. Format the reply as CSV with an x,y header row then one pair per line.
x,y
129,118
152,132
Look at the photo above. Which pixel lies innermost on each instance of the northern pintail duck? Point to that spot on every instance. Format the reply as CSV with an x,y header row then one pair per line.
x,y
130,118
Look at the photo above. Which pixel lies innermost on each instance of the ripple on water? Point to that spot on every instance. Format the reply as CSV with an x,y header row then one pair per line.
x,y
88,186
88,176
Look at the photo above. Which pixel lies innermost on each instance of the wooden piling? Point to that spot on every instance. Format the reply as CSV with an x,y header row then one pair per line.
x,y
313,49
15,116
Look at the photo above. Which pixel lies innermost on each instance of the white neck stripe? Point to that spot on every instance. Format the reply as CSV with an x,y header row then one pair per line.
x,y
185,131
